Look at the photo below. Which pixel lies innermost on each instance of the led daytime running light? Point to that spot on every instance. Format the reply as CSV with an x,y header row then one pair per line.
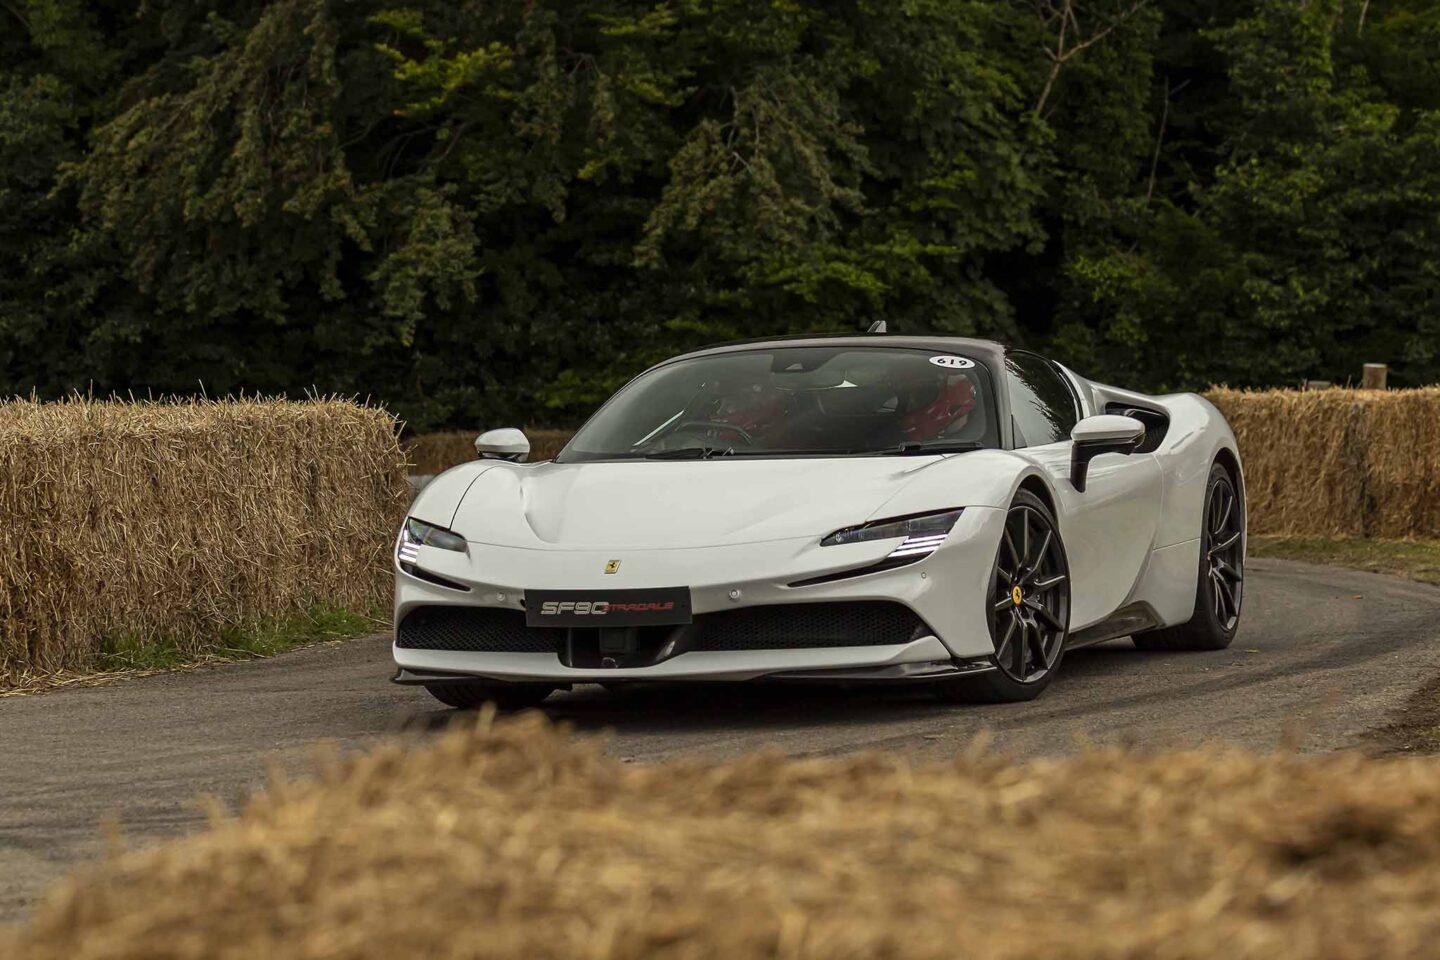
x,y
417,533
923,534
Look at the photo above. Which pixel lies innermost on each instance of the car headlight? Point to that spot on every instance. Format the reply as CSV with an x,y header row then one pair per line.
x,y
418,533
923,534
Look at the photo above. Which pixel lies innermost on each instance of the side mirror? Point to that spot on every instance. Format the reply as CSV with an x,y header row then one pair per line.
x,y
1104,434
506,443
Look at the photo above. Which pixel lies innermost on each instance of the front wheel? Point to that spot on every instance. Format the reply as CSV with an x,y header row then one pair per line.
x,y
1221,584
471,694
1029,608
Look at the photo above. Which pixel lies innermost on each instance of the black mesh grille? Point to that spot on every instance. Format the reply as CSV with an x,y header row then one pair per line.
x,y
794,626
782,627
475,629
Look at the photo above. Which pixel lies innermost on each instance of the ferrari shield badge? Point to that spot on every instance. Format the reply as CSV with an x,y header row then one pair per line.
x,y
612,566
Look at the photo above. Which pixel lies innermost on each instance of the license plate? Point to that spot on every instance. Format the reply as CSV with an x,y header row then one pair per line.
x,y
607,608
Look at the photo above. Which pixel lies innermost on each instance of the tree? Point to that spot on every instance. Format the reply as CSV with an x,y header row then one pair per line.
x,y
500,211
1314,247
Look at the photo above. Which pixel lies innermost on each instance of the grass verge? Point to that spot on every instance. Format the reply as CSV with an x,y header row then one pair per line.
x,y
1412,559
509,839
129,655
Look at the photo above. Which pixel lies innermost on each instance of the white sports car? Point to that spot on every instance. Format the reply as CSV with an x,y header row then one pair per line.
x,y
879,508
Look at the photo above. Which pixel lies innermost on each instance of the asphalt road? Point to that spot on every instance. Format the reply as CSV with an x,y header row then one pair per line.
x,y
1324,656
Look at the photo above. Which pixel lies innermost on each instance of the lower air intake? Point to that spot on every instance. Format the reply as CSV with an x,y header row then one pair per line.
x,y
475,630
861,623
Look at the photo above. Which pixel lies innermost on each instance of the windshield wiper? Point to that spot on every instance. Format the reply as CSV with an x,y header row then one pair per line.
x,y
797,452
685,453
910,447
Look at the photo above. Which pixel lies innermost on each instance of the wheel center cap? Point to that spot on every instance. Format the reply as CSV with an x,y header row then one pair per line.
x,y
1017,595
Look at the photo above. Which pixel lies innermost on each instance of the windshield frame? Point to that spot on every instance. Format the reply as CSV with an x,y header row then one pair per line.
x,y
989,390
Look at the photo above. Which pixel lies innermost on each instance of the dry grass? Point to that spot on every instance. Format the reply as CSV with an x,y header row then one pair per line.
x,y
515,842
1350,463
431,453
171,523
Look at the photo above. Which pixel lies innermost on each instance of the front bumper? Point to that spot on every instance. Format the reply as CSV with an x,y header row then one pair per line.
x,y
947,590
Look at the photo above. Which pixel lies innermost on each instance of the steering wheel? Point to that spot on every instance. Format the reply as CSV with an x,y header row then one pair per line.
x,y
686,425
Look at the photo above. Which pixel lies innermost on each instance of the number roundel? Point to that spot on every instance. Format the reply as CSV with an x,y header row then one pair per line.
x,y
955,363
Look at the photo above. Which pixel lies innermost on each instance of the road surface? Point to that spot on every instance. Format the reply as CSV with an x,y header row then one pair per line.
x,y
1323,657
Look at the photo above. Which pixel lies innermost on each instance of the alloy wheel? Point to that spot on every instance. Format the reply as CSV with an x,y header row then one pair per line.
x,y
1030,602
1224,556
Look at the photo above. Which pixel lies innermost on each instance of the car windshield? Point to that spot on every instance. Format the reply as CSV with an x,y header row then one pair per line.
x,y
795,401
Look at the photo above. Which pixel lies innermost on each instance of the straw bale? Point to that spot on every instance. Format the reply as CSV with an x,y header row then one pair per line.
x,y
512,841
1357,463
175,520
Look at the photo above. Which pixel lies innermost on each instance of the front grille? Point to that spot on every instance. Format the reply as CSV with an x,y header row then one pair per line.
x,y
475,629
860,623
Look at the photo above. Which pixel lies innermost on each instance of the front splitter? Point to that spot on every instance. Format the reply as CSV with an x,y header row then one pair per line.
x,y
891,673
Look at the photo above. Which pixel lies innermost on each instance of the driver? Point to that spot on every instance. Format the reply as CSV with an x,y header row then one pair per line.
x,y
934,404
756,407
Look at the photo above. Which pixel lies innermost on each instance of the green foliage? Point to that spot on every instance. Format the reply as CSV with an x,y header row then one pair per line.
x,y
477,212
1312,246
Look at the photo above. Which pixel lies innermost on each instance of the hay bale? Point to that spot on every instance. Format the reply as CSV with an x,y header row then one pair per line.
x,y
512,841
175,520
1303,454
432,453
1402,434
1356,463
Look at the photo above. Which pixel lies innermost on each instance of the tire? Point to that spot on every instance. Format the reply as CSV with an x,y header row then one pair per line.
x,y
470,695
1029,608
1220,586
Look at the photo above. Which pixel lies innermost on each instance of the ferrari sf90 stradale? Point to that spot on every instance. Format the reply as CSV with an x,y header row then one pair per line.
x,y
858,509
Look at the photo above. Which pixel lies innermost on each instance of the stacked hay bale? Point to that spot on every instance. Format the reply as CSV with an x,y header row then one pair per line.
x,y
174,521
1357,463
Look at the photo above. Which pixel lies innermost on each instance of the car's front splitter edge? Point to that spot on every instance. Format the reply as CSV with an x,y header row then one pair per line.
x,y
910,672
895,673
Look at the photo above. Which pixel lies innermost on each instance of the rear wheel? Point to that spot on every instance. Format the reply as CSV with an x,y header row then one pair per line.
x,y
1221,586
470,694
1029,608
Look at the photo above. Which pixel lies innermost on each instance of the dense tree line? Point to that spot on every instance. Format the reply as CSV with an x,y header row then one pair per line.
x,y
494,210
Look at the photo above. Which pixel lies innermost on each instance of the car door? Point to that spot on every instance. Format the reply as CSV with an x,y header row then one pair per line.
x,y
1108,530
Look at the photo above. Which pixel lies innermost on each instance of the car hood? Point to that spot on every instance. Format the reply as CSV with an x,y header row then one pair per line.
x,y
678,503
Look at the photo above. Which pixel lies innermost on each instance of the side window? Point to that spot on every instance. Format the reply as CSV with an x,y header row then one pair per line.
x,y
1042,404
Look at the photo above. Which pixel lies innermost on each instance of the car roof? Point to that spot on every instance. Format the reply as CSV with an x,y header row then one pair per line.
x,y
987,351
